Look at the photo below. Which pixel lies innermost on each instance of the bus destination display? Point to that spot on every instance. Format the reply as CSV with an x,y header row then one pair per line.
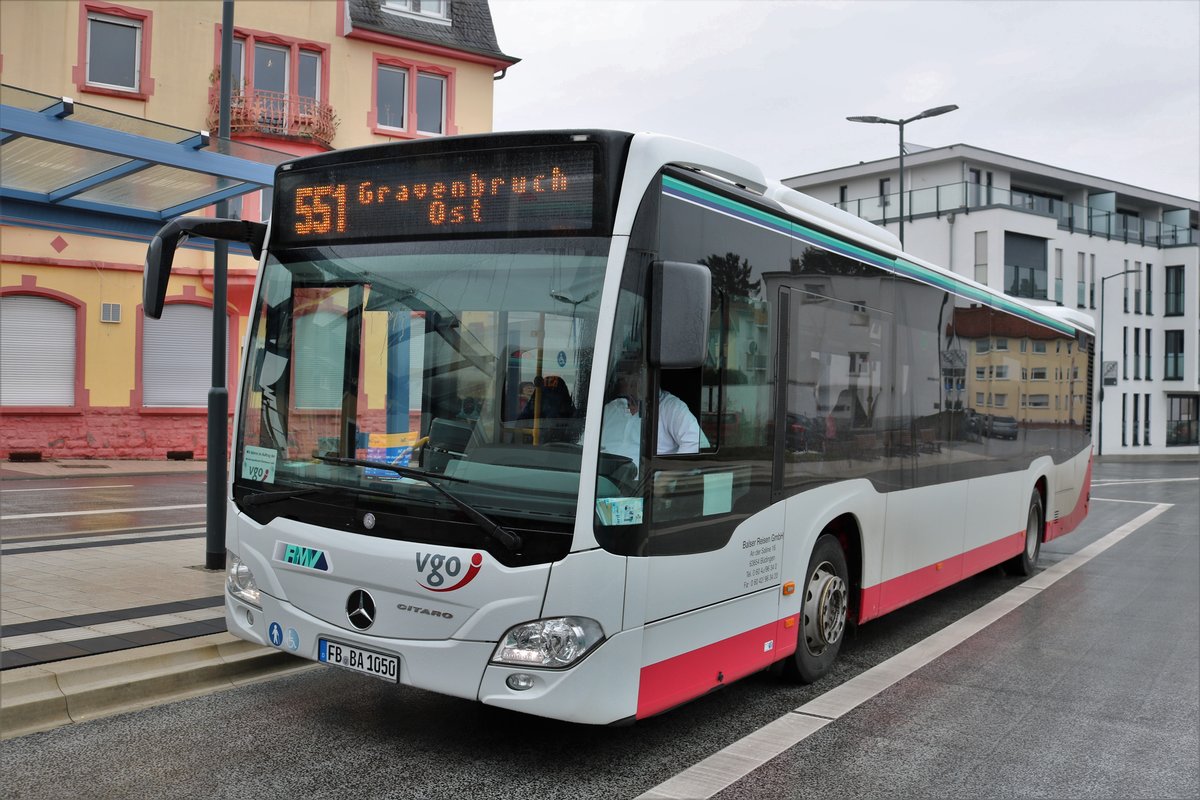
x,y
504,191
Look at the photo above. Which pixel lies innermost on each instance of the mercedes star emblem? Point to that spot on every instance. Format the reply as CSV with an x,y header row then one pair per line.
x,y
360,609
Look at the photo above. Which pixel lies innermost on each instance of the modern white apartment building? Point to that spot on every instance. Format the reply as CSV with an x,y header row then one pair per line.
x,y
1126,255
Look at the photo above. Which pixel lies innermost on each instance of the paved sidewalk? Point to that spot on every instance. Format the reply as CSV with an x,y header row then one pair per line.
x,y
70,594
92,623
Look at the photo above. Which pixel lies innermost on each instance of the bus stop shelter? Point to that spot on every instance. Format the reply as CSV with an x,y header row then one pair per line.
x,y
72,167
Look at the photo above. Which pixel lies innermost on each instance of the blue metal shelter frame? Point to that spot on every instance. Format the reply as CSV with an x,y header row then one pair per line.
x,y
71,167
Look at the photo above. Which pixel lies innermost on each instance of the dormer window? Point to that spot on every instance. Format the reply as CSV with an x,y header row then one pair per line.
x,y
429,9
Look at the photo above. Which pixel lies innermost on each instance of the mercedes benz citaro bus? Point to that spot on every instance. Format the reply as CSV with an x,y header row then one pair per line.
x,y
431,484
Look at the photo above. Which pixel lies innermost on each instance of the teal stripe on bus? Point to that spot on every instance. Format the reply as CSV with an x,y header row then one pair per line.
x,y
793,229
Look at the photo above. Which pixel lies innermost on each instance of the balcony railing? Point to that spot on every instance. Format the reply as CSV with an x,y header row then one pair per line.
x,y
253,112
960,197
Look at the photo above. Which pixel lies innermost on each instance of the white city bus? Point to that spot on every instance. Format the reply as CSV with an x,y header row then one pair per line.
x,y
422,487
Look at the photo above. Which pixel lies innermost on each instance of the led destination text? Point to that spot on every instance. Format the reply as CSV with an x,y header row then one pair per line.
x,y
322,209
504,193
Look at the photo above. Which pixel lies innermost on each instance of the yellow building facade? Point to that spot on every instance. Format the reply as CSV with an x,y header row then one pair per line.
x,y
84,373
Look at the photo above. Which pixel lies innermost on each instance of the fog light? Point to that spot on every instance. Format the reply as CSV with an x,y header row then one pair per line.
x,y
519,682
250,618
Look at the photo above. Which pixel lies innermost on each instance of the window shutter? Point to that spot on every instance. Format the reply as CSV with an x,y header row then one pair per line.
x,y
177,357
321,337
37,352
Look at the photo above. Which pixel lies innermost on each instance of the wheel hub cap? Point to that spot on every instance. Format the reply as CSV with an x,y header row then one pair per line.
x,y
824,609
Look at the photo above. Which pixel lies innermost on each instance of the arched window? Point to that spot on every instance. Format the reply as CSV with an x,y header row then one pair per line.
x,y
177,357
37,351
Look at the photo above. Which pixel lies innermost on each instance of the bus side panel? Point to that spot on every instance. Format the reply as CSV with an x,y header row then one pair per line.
x,y
679,584
587,585
924,543
995,530
808,513
1073,508
692,654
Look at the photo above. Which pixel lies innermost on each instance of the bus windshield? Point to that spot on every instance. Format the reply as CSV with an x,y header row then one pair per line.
x,y
466,360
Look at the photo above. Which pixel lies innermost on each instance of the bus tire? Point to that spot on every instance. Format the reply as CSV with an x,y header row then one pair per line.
x,y
1035,521
823,612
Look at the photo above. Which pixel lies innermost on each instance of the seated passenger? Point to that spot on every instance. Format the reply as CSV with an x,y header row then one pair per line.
x,y
549,407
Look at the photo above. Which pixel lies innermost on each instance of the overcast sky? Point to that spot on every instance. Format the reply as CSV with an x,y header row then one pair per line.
x,y
1109,88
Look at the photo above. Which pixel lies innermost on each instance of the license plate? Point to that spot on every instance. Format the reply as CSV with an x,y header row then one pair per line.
x,y
353,658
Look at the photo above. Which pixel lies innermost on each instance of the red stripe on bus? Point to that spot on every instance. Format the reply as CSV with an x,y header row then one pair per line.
x,y
676,680
1064,525
890,595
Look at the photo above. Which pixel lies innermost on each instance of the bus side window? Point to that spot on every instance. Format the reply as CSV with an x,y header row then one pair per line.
x,y
677,424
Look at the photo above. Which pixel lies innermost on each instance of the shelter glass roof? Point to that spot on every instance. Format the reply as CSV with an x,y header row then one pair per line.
x,y
62,159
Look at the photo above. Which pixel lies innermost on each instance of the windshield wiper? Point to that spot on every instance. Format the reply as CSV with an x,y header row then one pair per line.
x,y
498,532
262,498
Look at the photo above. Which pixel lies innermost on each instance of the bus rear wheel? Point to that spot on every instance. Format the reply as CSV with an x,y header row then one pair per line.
x,y
1034,523
823,614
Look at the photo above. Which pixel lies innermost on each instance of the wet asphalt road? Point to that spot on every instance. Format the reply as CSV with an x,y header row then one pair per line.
x,y
22,502
968,725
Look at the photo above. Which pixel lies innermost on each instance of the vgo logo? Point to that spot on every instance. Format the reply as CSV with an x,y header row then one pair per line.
x,y
440,568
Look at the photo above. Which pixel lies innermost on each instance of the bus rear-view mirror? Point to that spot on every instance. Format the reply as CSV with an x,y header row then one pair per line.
x,y
680,299
161,252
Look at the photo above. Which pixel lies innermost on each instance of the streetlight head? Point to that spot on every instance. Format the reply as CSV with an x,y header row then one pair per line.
x,y
868,119
933,112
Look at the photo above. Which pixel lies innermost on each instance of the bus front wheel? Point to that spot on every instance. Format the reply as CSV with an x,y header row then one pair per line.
x,y
823,615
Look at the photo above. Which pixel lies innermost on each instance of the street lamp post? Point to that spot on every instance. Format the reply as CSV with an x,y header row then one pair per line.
x,y
900,123
1100,424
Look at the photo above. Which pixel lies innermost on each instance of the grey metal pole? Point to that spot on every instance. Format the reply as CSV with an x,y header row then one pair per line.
x,y
218,395
1100,423
901,126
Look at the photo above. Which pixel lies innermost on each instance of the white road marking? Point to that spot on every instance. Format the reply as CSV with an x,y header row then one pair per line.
x,y
99,511
1115,500
1121,482
724,768
68,488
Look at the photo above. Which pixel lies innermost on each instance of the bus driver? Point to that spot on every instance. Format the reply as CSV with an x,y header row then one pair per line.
x,y
678,430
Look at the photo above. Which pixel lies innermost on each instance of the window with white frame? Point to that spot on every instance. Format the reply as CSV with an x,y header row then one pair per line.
x,y
391,96
411,99
431,103
436,9
114,52
37,351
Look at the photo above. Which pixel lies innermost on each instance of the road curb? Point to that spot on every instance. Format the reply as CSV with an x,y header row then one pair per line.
x,y
48,696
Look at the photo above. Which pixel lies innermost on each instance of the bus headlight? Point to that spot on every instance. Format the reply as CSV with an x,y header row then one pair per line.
x,y
555,642
239,580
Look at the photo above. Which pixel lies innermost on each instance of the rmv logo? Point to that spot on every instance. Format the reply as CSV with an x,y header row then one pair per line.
x,y
305,557
437,564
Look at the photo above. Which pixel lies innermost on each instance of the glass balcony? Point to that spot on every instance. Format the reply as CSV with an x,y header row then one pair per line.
x,y
253,112
1076,218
